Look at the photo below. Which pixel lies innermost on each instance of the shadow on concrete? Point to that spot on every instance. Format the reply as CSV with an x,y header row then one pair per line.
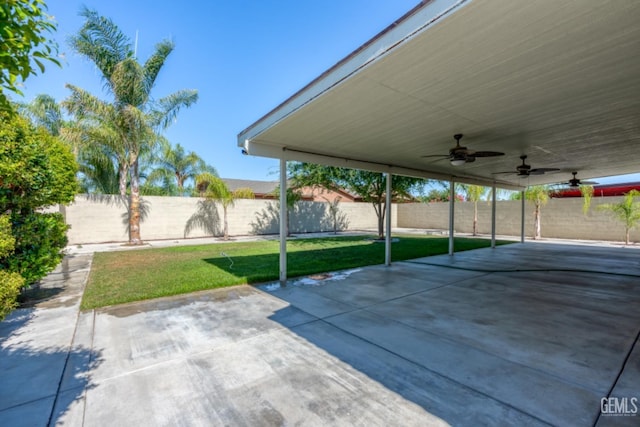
x,y
42,383
408,380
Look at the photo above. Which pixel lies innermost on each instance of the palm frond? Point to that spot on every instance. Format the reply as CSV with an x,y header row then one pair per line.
x,y
168,107
102,42
85,105
128,85
44,111
155,63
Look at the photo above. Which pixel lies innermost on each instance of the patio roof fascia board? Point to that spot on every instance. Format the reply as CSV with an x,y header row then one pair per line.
x,y
288,154
417,20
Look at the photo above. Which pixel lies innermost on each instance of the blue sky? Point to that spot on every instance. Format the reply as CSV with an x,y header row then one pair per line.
x,y
243,56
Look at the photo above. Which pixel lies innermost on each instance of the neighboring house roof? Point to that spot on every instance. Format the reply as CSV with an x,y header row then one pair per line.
x,y
258,187
266,190
604,190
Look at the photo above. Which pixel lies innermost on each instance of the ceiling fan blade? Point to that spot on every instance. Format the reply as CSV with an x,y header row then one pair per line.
x,y
470,159
487,154
505,172
542,171
588,183
444,156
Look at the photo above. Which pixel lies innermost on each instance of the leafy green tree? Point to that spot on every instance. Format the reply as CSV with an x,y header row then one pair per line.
x,y
36,170
25,44
213,188
371,186
473,193
175,163
539,196
10,282
627,212
435,195
133,115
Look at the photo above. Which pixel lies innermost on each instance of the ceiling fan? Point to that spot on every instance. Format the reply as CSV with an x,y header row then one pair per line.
x,y
459,155
525,170
575,182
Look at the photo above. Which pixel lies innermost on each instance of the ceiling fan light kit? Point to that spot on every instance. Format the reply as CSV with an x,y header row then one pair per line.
x,y
460,155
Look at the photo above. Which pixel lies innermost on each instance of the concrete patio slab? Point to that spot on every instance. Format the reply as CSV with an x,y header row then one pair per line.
x,y
507,336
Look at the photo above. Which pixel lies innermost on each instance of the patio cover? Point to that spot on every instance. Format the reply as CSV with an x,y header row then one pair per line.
x,y
556,81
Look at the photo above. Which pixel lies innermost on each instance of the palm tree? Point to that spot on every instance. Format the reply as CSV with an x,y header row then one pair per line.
x,y
539,195
133,114
473,193
627,212
44,111
176,163
213,188
587,194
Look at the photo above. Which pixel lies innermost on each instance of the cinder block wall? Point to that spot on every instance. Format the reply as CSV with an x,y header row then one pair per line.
x,y
561,218
99,218
95,219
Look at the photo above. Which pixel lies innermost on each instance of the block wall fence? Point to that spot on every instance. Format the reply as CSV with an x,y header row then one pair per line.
x,y
100,218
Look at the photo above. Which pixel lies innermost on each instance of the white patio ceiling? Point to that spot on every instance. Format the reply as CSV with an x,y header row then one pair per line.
x,y
558,81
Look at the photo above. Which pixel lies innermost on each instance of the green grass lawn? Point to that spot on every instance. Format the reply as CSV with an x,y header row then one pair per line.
x,y
125,276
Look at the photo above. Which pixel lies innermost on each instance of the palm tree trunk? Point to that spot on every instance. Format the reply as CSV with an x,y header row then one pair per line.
x,y
122,179
134,206
475,218
536,223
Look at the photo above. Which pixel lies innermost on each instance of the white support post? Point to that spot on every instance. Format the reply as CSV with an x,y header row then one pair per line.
x,y
493,216
283,222
522,217
387,208
452,196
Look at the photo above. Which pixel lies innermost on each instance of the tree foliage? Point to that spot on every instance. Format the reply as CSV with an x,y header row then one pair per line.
x,y
587,194
371,186
214,189
539,196
473,193
36,169
10,282
25,44
176,165
626,211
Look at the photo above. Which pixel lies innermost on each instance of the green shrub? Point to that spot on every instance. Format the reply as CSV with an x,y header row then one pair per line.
x,y
36,169
10,285
40,238
7,241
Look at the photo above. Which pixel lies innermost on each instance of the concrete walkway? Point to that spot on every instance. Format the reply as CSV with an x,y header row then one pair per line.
x,y
533,334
